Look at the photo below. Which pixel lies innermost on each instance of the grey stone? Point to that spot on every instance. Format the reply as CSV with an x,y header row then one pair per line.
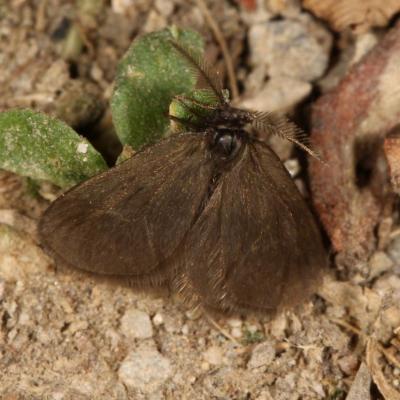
x,y
288,48
279,94
394,250
262,355
379,263
145,370
136,324
213,355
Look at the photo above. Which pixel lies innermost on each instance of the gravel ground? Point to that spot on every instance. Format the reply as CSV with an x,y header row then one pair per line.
x,y
64,335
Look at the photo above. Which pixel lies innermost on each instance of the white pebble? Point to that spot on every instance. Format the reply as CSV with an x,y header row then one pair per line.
x,y
213,355
235,322
136,324
237,333
82,148
121,6
185,329
145,370
262,355
158,319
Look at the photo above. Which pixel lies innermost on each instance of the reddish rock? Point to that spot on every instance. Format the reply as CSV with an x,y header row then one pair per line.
x,y
348,128
392,153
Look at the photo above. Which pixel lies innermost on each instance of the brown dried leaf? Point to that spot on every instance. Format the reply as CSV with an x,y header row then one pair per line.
x,y
358,14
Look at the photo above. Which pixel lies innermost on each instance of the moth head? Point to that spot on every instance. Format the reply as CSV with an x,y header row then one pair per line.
x,y
214,112
227,117
225,143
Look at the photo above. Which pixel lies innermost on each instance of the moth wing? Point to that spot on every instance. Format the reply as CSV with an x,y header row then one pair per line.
x,y
129,220
256,245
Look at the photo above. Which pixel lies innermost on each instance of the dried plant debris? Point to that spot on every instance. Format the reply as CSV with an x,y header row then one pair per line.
x,y
348,127
360,15
373,316
361,386
384,366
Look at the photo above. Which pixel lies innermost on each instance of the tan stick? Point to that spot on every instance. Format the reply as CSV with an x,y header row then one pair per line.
x,y
219,37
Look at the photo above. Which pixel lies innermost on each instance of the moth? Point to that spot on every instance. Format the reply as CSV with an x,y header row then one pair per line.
x,y
211,213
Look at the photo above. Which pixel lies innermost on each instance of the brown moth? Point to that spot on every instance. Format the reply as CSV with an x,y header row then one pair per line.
x,y
211,212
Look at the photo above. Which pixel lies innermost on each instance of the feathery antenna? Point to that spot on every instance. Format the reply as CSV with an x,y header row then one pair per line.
x,y
200,67
277,124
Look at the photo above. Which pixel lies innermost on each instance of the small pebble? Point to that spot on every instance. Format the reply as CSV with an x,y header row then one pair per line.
x,y
171,325
213,355
379,263
77,326
164,7
145,370
23,318
264,395
262,355
289,49
113,337
284,7
278,94
136,324
185,329
122,6
205,366
391,317
158,319
252,328
394,250
286,383
237,332
277,327
154,22
234,322
348,364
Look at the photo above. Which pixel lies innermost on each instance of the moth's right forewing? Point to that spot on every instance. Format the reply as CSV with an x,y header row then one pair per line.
x,y
256,245
130,219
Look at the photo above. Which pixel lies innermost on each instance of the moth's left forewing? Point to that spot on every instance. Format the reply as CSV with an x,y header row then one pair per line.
x,y
129,222
256,245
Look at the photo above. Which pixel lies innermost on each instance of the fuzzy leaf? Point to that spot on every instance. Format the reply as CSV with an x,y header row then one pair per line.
x,y
149,76
41,147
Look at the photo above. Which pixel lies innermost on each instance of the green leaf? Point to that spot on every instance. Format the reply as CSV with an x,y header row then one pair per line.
x,y
199,101
149,76
41,147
